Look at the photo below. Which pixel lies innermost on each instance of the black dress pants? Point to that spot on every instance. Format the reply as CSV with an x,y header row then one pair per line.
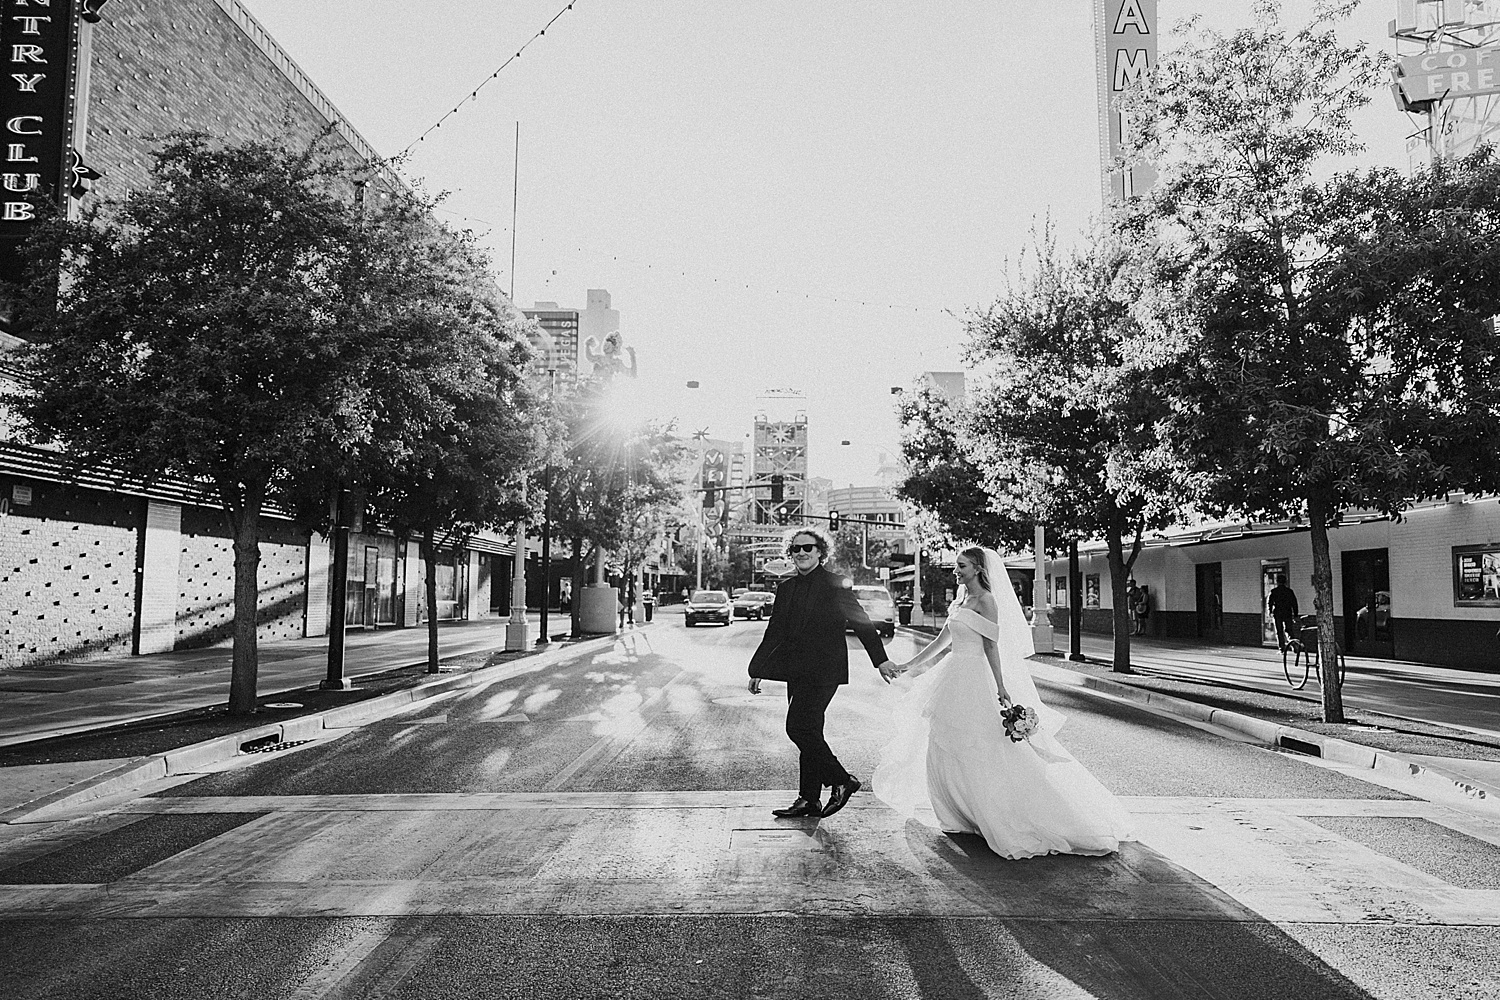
x,y
808,703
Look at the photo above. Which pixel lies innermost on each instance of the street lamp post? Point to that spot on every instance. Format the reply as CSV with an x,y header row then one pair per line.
x,y
515,629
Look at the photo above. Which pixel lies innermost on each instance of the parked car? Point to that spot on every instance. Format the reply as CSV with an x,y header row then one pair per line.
x,y
708,606
755,604
878,605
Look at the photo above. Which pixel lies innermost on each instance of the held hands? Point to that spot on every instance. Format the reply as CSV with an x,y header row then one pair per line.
x,y
889,671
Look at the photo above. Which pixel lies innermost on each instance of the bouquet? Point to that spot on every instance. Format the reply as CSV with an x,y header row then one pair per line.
x,y
1020,722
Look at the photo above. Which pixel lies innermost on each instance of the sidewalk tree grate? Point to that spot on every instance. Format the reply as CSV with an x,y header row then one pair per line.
x,y
124,851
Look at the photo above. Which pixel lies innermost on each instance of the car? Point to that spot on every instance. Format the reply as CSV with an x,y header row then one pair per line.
x,y
755,604
708,606
878,605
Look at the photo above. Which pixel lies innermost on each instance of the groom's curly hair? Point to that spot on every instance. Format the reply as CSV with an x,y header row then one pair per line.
x,y
825,544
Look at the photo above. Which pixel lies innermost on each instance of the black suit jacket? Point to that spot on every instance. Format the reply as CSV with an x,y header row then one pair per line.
x,y
812,650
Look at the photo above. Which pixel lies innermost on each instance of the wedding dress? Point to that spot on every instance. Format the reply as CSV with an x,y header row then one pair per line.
x,y
950,764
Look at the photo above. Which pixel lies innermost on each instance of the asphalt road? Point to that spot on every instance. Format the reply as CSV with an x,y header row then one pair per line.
x,y
603,829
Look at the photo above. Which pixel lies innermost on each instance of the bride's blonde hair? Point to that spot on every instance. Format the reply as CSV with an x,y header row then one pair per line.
x,y
975,555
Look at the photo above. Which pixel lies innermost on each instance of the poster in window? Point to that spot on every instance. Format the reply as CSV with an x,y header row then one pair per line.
x,y
1061,595
1091,590
1476,576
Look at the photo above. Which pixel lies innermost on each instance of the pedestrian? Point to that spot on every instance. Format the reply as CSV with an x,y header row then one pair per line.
x,y
1142,609
967,762
648,602
804,647
1132,601
1282,603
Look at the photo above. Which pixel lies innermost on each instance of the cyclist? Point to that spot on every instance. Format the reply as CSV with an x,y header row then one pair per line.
x,y
1282,603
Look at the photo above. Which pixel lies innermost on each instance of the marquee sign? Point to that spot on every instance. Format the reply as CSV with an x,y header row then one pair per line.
x,y
1125,36
37,45
1445,75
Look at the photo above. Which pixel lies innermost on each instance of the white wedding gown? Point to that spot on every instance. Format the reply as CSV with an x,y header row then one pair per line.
x,y
950,764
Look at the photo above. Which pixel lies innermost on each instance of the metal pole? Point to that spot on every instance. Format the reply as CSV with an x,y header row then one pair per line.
x,y
1041,624
916,581
543,638
515,198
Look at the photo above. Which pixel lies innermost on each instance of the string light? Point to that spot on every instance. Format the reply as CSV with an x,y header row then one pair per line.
x,y
810,296
474,94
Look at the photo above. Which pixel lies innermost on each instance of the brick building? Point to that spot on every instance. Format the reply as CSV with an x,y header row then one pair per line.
x,y
90,564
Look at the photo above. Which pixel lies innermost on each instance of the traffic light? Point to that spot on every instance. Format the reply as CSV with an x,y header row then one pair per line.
x,y
709,498
833,521
777,492
782,512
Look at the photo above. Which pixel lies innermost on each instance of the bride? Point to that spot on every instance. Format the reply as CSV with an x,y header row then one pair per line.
x,y
951,763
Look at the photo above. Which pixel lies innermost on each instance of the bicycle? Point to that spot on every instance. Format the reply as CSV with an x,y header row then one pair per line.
x,y
1303,652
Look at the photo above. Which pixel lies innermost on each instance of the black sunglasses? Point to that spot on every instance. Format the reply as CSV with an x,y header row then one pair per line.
x,y
802,548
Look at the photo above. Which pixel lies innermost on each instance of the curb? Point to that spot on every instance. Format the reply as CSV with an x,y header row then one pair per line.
x,y
1277,735
185,760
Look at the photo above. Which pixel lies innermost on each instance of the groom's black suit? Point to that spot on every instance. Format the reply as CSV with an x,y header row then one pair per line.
x,y
804,646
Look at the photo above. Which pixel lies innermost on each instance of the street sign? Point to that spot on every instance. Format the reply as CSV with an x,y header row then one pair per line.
x,y
780,567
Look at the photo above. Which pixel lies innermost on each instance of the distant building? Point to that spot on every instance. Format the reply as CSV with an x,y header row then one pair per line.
x,y
871,505
781,450
566,331
557,343
952,385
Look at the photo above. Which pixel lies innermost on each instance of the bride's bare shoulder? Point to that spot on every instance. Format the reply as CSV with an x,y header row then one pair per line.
x,y
986,606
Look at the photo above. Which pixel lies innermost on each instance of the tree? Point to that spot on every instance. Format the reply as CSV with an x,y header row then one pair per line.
x,y
1062,423
219,325
1326,344
607,477
941,479
459,427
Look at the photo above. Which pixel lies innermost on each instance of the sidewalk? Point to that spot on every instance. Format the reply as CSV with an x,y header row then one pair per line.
x,y
1405,718
56,699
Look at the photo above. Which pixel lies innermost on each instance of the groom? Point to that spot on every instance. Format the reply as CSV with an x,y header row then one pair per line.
x,y
804,646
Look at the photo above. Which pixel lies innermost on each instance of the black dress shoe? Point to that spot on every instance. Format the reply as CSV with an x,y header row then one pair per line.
x,y
801,807
839,797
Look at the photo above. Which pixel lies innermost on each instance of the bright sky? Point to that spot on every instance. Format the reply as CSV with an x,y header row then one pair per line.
x,y
775,194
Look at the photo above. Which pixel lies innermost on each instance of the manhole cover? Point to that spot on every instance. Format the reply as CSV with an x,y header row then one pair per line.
x,y
282,704
786,838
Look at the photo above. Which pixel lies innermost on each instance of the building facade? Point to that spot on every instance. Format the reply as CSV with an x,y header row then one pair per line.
x,y
92,564
1425,588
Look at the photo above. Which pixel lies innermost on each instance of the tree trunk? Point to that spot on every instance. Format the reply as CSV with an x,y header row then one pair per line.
x,y
1120,604
429,554
245,523
1120,566
1318,514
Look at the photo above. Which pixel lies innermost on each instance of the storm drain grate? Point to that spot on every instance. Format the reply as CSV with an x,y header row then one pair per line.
x,y
261,746
112,856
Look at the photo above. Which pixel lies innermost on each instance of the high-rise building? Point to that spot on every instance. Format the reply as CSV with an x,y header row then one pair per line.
x,y
557,343
567,332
